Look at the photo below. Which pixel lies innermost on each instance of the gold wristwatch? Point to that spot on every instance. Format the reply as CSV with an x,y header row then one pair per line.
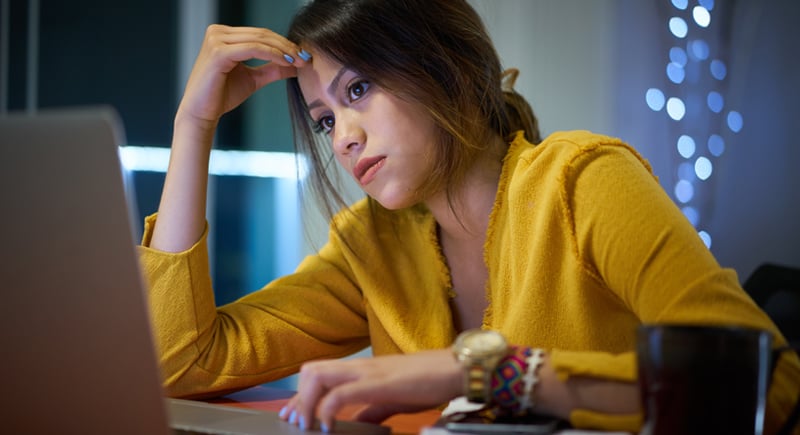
x,y
479,351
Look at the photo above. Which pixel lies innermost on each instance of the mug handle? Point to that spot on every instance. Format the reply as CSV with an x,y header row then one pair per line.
x,y
794,415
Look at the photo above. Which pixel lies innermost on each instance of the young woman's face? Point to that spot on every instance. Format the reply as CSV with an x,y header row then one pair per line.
x,y
385,143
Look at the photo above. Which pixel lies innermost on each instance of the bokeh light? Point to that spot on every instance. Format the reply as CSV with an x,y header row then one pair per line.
x,y
655,99
703,168
675,108
708,4
684,191
716,145
698,49
680,4
676,73
715,101
686,146
718,69
701,16
706,238
678,27
735,121
678,55
694,76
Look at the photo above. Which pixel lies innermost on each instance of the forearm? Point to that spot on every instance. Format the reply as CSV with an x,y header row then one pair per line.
x,y
181,213
559,398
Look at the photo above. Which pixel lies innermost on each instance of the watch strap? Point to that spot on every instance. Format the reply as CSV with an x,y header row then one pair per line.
x,y
477,382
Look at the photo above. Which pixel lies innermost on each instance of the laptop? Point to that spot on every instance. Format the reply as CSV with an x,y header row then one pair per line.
x,y
77,349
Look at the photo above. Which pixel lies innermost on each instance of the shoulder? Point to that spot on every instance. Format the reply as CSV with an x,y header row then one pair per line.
x,y
367,223
563,155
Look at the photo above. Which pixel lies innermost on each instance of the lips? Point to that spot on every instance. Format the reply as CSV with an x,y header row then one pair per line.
x,y
366,168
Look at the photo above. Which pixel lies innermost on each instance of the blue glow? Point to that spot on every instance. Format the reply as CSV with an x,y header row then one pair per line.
x,y
698,49
718,69
715,101
684,191
686,146
706,238
223,162
735,121
686,172
703,168
691,214
701,16
708,4
655,99
680,4
678,27
676,109
716,145
678,55
676,73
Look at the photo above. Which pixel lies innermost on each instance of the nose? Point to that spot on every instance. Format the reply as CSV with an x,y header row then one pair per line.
x,y
348,135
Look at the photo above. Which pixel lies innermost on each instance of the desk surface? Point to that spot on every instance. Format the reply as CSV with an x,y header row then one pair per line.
x,y
273,399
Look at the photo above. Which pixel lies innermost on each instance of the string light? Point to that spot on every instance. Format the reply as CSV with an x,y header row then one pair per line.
x,y
694,75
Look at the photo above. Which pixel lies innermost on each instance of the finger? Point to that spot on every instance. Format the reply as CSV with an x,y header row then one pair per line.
x,y
315,383
227,56
257,40
348,394
264,36
286,412
377,413
311,386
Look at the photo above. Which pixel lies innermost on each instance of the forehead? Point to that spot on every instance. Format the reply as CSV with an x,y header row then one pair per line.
x,y
315,77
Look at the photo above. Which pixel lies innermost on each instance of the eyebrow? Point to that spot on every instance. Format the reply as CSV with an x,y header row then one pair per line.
x,y
331,88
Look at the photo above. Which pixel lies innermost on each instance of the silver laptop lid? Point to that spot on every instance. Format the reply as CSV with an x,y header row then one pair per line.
x,y
77,349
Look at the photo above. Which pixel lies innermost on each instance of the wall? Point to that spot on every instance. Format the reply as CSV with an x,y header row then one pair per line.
x,y
587,65
758,196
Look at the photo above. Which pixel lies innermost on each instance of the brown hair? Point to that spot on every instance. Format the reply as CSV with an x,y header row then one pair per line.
x,y
435,53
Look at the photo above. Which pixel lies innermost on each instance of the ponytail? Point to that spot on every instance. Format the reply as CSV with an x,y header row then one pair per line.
x,y
518,113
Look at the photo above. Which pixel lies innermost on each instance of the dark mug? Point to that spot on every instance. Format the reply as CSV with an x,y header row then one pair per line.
x,y
703,379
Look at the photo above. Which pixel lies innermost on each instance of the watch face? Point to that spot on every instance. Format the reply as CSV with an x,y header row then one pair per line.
x,y
480,342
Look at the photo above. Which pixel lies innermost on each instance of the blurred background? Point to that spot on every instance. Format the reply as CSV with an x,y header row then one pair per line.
x,y
706,90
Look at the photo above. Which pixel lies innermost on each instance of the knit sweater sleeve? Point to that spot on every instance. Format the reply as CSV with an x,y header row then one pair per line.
x,y
635,242
205,350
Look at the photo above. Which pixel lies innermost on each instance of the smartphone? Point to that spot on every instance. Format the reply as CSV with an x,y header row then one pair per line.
x,y
531,425
544,428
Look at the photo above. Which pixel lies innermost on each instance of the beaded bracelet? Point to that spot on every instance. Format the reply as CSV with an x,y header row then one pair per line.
x,y
531,378
514,379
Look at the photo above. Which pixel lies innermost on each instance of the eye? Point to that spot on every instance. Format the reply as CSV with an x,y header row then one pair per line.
x,y
357,89
324,124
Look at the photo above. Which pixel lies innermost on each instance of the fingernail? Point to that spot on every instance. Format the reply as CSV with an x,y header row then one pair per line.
x,y
324,427
293,417
306,56
283,411
303,423
288,58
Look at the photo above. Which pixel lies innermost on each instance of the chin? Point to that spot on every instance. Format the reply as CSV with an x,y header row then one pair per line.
x,y
391,202
390,205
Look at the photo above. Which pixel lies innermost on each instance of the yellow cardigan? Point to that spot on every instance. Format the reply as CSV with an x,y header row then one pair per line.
x,y
583,246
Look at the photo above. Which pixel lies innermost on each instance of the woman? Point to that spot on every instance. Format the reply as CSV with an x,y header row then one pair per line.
x,y
565,246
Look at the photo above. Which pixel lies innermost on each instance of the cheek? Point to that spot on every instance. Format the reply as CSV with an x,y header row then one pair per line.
x,y
342,161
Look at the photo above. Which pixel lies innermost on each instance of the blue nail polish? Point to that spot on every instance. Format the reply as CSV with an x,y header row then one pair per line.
x,y
306,56
288,58
283,411
293,417
324,427
303,423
